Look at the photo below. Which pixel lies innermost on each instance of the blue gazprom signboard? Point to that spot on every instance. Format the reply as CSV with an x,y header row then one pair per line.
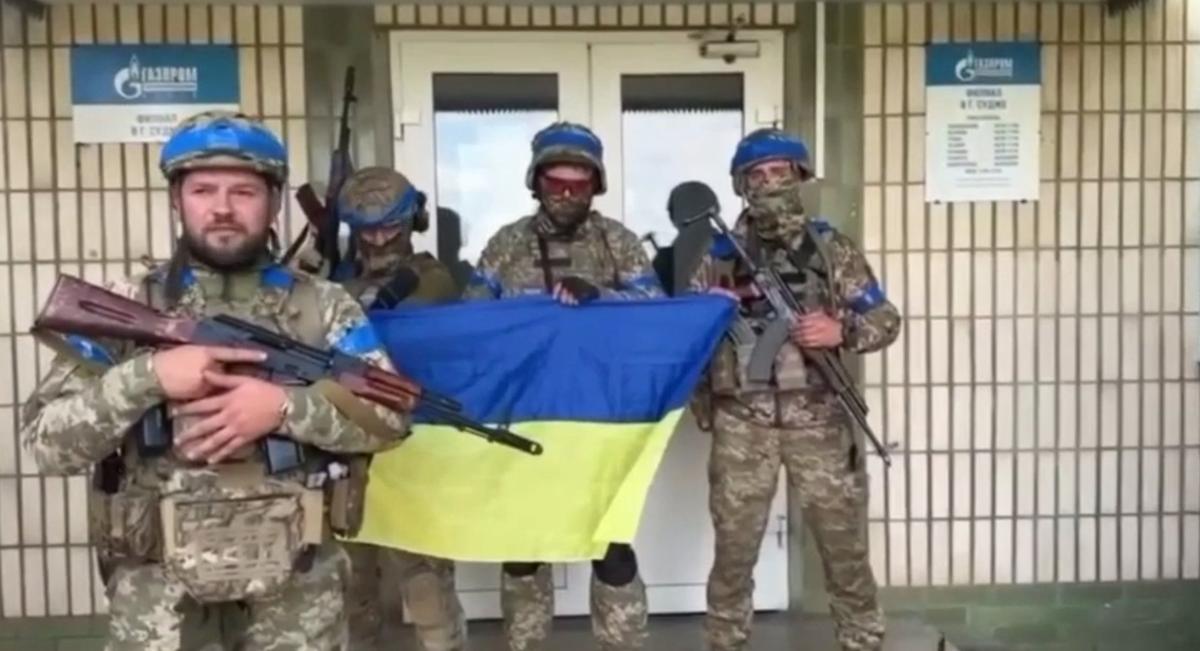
x,y
138,93
983,121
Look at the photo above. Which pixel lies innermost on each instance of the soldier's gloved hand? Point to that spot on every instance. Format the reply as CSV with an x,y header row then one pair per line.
x,y
181,370
245,410
397,289
574,290
816,330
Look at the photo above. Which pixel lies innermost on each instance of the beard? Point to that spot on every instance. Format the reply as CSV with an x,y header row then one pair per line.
x,y
243,253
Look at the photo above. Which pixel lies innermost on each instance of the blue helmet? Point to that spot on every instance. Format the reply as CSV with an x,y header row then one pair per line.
x,y
764,145
224,139
567,142
381,196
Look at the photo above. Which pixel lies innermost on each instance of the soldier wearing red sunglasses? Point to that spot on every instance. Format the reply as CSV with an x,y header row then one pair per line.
x,y
575,254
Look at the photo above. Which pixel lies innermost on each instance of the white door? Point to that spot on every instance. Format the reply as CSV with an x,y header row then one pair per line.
x,y
466,106
666,115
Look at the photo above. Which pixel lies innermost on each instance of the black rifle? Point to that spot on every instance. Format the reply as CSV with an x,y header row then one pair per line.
x,y
786,308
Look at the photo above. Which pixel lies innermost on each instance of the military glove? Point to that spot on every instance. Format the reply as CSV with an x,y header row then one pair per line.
x,y
582,290
397,289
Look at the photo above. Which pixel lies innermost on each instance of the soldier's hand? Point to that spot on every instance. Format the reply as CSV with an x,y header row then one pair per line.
x,y
181,370
727,293
573,290
246,410
816,330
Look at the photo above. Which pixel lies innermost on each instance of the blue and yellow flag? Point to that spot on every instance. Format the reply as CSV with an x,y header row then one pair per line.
x,y
601,387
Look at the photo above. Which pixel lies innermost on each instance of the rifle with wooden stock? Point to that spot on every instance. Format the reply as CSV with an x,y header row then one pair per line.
x,y
322,217
75,307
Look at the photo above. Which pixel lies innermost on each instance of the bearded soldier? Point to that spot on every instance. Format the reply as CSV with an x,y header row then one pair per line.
x,y
202,520
795,419
383,210
576,254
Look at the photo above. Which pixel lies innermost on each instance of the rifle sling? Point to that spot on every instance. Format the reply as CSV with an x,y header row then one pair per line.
x,y
544,261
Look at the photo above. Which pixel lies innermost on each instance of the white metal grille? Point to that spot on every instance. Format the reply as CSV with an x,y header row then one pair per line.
x,y
1046,385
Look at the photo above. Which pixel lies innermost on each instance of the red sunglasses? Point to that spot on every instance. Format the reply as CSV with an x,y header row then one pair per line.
x,y
576,187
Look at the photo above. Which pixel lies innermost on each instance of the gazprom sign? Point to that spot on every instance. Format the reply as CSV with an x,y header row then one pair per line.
x,y
138,93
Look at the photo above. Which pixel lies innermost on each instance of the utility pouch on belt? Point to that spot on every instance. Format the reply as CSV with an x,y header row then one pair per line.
x,y
347,495
232,532
125,525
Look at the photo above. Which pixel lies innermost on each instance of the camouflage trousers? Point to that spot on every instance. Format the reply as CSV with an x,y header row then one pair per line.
x,y
385,581
619,613
743,471
149,611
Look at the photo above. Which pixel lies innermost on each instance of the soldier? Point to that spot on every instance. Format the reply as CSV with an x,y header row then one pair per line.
x,y
575,254
795,420
175,513
383,210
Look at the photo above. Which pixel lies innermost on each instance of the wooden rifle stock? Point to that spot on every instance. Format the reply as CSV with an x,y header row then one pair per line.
x,y
80,308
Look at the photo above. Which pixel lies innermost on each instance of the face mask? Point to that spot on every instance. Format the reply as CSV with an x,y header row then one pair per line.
x,y
566,212
775,206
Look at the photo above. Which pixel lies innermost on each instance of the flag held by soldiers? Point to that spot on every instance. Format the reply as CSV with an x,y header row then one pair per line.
x,y
601,387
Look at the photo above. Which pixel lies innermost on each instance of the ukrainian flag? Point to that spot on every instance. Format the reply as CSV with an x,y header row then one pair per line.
x,y
601,387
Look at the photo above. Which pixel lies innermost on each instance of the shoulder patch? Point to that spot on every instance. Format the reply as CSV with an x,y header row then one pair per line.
x,y
278,277
357,339
90,350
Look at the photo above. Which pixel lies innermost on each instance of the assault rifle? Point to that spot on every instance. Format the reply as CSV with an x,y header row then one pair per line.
x,y
323,218
80,308
786,308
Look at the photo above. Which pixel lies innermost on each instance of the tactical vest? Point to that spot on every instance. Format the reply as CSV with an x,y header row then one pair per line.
x,y
227,532
433,286
557,259
807,272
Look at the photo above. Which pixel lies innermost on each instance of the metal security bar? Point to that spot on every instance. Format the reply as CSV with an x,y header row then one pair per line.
x,y
1045,390
97,211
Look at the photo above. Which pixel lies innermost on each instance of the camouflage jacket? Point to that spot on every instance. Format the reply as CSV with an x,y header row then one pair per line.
x,y
836,278
76,417
436,284
601,251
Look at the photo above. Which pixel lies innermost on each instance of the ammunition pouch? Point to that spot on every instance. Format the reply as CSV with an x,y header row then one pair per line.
x,y
124,527
347,495
731,377
232,532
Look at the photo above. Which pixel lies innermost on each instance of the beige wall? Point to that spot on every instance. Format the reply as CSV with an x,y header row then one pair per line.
x,y
92,210
1046,383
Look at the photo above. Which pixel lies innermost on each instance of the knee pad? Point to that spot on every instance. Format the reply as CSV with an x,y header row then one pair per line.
x,y
518,570
618,567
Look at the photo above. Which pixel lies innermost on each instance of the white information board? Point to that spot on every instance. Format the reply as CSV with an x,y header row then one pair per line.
x,y
982,123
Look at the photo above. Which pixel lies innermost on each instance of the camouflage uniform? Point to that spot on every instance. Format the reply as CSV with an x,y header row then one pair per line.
x,y
608,255
796,422
425,583
161,529
76,417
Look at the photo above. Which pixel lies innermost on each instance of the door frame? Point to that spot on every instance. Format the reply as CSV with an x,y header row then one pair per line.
x,y
403,114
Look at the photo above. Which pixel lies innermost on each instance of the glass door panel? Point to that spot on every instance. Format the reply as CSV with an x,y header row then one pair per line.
x,y
466,112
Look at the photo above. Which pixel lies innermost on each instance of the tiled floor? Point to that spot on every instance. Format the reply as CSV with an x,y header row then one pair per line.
x,y
772,632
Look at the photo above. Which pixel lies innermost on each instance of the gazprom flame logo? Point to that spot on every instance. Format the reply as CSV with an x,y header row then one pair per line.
x,y
134,81
971,67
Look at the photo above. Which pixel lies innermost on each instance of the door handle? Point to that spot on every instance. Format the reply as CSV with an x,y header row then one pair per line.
x,y
780,530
